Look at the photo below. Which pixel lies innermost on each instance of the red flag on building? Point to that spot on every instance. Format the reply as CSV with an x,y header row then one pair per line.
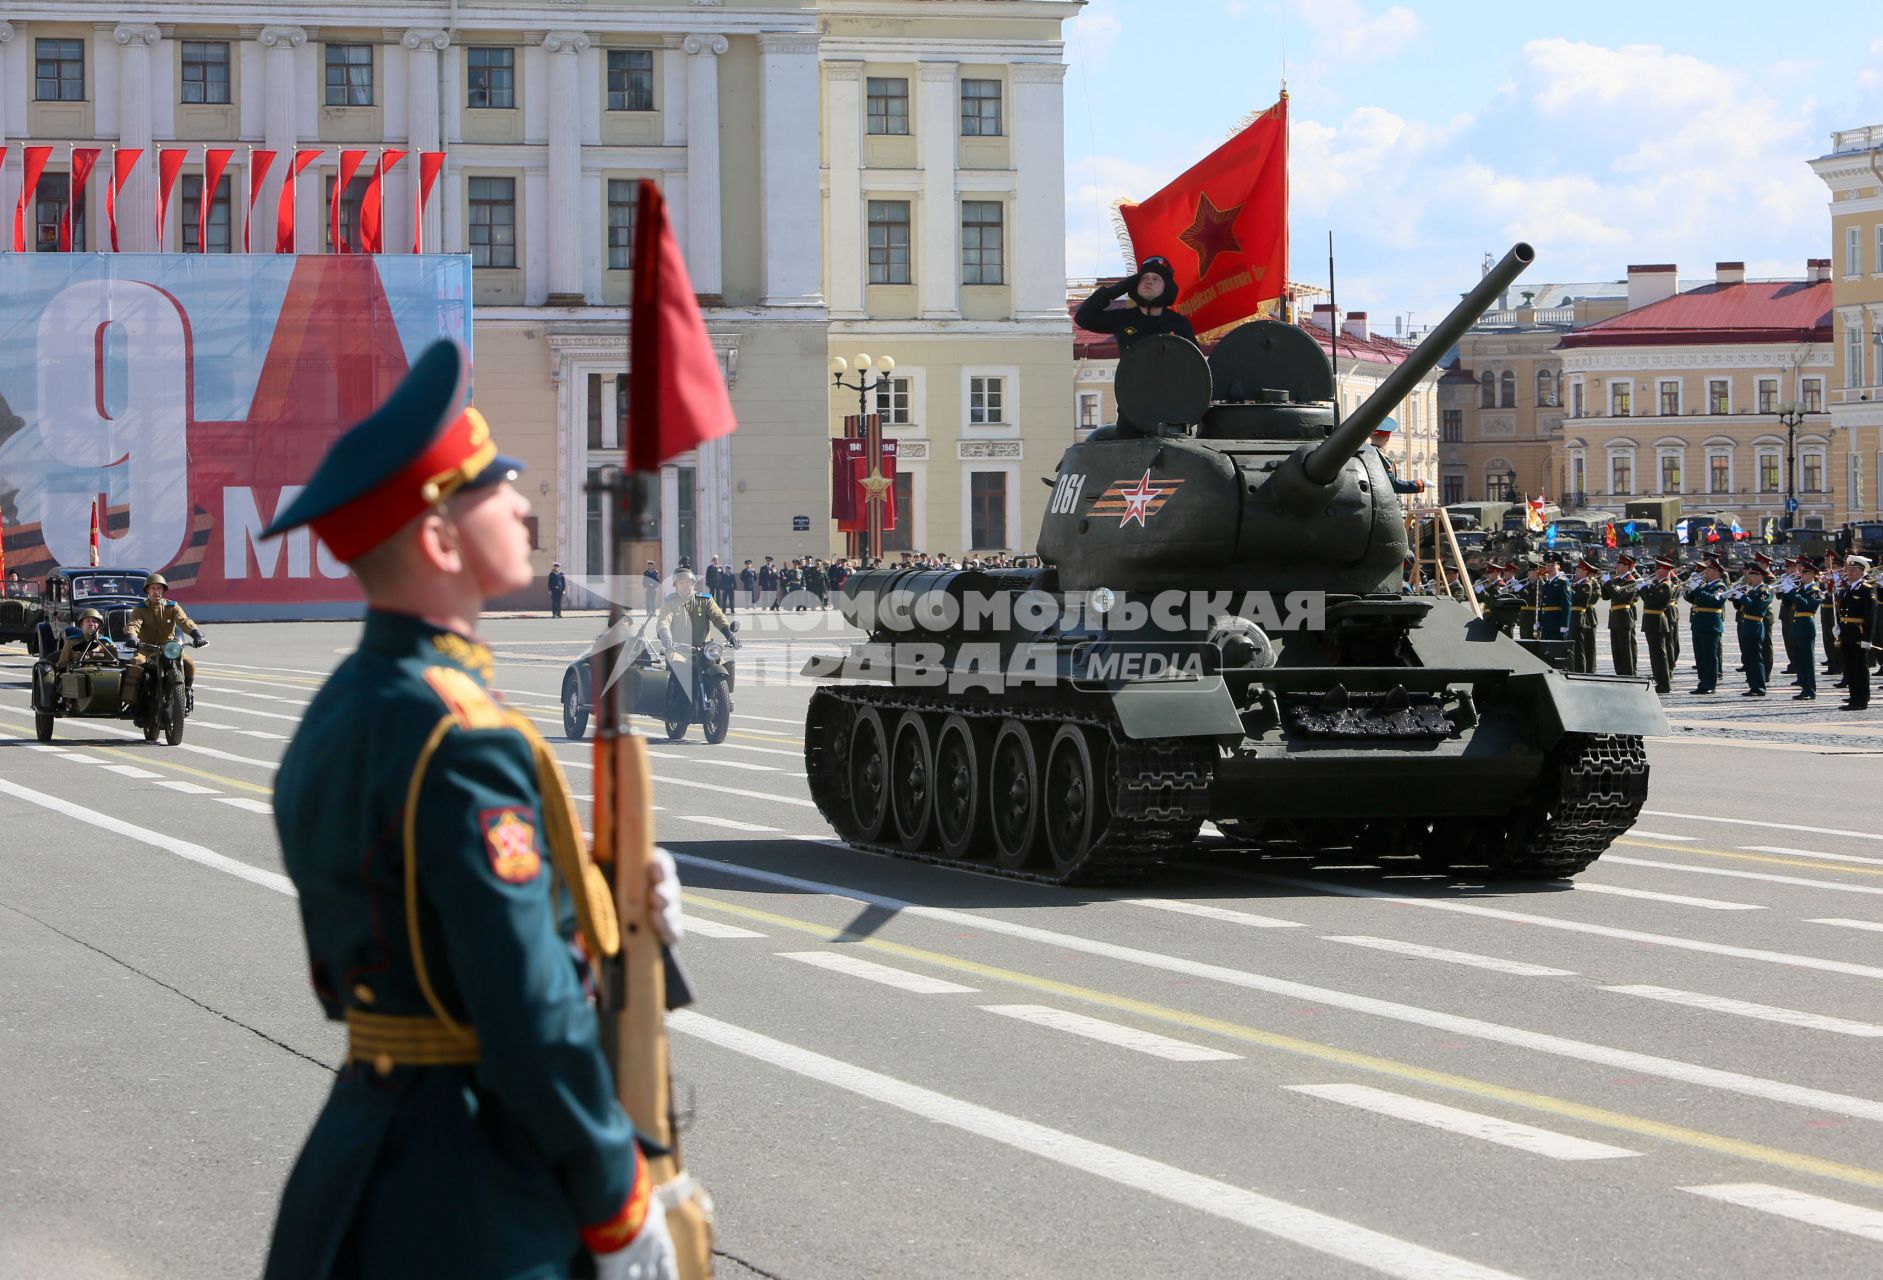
x,y
169,165
677,397
123,160
373,202
849,473
429,163
1223,225
94,533
35,164
214,162
284,212
258,162
83,158
350,162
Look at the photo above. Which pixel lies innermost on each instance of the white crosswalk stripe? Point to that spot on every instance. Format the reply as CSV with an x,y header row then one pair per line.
x,y
1111,1033
243,802
1835,1215
1505,1133
699,926
1851,924
856,967
187,788
1678,899
1747,1009
730,824
1517,967
1208,912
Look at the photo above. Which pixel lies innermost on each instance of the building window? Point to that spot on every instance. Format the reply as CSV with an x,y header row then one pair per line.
x,y
493,222
1088,410
206,71
889,242
987,510
349,211
1451,426
686,516
1487,390
902,537
1878,269
1811,472
1621,470
1545,388
1768,395
1719,474
982,252
1618,398
888,105
892,401
980,109
1670,473
986,402
1876,341
1507,390
490,78
1768,473
1575,399
1717,400
1813,394
1853,354
623,195
1670,399
59,70
49,201
219,217
604,428
630,79
349,75
1451,489
1853,252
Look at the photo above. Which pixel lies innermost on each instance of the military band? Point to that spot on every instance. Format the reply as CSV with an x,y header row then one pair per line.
x,y
1752,606
1622,590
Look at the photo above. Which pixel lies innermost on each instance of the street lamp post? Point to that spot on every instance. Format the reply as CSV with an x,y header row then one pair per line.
x,y
870,427
1790,414
1510,485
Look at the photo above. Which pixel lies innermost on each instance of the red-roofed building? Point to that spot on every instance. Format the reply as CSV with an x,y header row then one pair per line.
x,y
1716,395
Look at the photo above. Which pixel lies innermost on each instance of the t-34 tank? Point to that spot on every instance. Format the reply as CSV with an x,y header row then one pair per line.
x,y
1220,634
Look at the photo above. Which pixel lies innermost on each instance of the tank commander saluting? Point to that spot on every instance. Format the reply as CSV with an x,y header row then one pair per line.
x,y
1152,292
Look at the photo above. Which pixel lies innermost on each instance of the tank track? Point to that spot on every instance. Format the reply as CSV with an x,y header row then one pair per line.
x,y
1158,789
1595,788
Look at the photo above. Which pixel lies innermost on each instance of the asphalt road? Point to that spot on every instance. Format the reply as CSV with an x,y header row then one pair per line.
x,y
1239,1069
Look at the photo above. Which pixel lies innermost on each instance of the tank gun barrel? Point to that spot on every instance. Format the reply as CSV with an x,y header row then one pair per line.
x,y
1325,462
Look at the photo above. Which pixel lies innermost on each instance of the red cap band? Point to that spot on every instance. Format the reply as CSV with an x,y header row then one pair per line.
x,y
452,460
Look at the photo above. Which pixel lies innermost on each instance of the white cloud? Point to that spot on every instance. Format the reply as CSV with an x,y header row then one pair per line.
x,y
1091,36
1345,30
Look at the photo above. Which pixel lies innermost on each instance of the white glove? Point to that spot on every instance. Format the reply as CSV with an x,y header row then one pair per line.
x,y
650,1256
663,896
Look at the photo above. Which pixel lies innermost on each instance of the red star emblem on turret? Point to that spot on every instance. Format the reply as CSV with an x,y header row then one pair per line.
x,y
1138,501
1212,232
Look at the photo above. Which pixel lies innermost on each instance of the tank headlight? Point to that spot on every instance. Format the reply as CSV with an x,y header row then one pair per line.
x,y
1102,600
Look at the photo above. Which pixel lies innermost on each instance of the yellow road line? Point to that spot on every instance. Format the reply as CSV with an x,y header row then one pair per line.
x,y
1641,1126
1775,859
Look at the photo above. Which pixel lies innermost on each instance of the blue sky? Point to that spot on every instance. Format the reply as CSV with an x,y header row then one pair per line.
x,y
1425,135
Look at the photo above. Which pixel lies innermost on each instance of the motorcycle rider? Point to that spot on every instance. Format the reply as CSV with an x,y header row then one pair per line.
x,y
155,623
698,613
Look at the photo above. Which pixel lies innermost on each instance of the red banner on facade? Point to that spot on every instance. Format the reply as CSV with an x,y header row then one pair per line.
x,y
123,160
169,165
214,162
1223,225
851,483
35,160
350,162
83,158
258,162
373,203
429,163
284,212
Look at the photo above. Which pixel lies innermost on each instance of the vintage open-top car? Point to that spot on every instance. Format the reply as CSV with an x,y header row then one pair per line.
x,y
113,592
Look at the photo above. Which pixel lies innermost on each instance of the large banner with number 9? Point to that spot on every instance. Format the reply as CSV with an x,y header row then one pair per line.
x,y
194,394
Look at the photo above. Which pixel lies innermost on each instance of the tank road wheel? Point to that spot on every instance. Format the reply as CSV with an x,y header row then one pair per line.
x,y
869,774
827,758
1013,796
960,804
1591,790
911,781
1073,806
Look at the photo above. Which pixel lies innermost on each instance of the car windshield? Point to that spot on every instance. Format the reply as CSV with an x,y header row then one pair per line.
x,y
89,587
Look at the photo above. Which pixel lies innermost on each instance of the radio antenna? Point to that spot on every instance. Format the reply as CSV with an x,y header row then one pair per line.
x,y
1333,326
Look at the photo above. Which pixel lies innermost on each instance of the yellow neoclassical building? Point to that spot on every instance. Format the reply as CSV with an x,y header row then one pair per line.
x,y
1853,171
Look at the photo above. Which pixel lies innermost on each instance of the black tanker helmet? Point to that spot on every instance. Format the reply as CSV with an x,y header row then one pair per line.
x,y
1157,266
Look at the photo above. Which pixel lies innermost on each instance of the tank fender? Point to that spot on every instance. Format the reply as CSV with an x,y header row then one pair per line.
x,y
1177,709
1589,704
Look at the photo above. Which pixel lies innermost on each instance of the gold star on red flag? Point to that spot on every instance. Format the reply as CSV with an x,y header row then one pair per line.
x,y
1213,231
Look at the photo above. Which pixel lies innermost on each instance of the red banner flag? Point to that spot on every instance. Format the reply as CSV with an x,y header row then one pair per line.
x,y
214,162
372,204
849,488
83,158
35,161
3,514
350,162
677,397
258,162
429,163
284,212
169,165
122,162
1223,225
94,532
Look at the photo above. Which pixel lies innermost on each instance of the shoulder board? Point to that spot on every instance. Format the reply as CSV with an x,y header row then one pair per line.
x,y
470,705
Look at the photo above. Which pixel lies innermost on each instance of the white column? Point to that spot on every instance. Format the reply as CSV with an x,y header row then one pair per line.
x,y
278,130
703,226
421,132
1039,159
789,199
673,98
564,230
940,264
6,38
843,136
137,203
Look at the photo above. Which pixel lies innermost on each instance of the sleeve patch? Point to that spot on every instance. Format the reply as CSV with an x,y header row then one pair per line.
x,y
467,701
510,843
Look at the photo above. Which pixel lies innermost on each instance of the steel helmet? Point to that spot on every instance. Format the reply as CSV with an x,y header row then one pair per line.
x,y
89,613
156,580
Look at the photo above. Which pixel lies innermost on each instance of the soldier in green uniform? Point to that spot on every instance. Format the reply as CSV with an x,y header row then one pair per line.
x,y
1552,602
1856,629
1621,589
1765,646
1785,591
1827,618
1658,617
154,624
1584,594
450,909
1752,602
1707,595
1526,590
1806,599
